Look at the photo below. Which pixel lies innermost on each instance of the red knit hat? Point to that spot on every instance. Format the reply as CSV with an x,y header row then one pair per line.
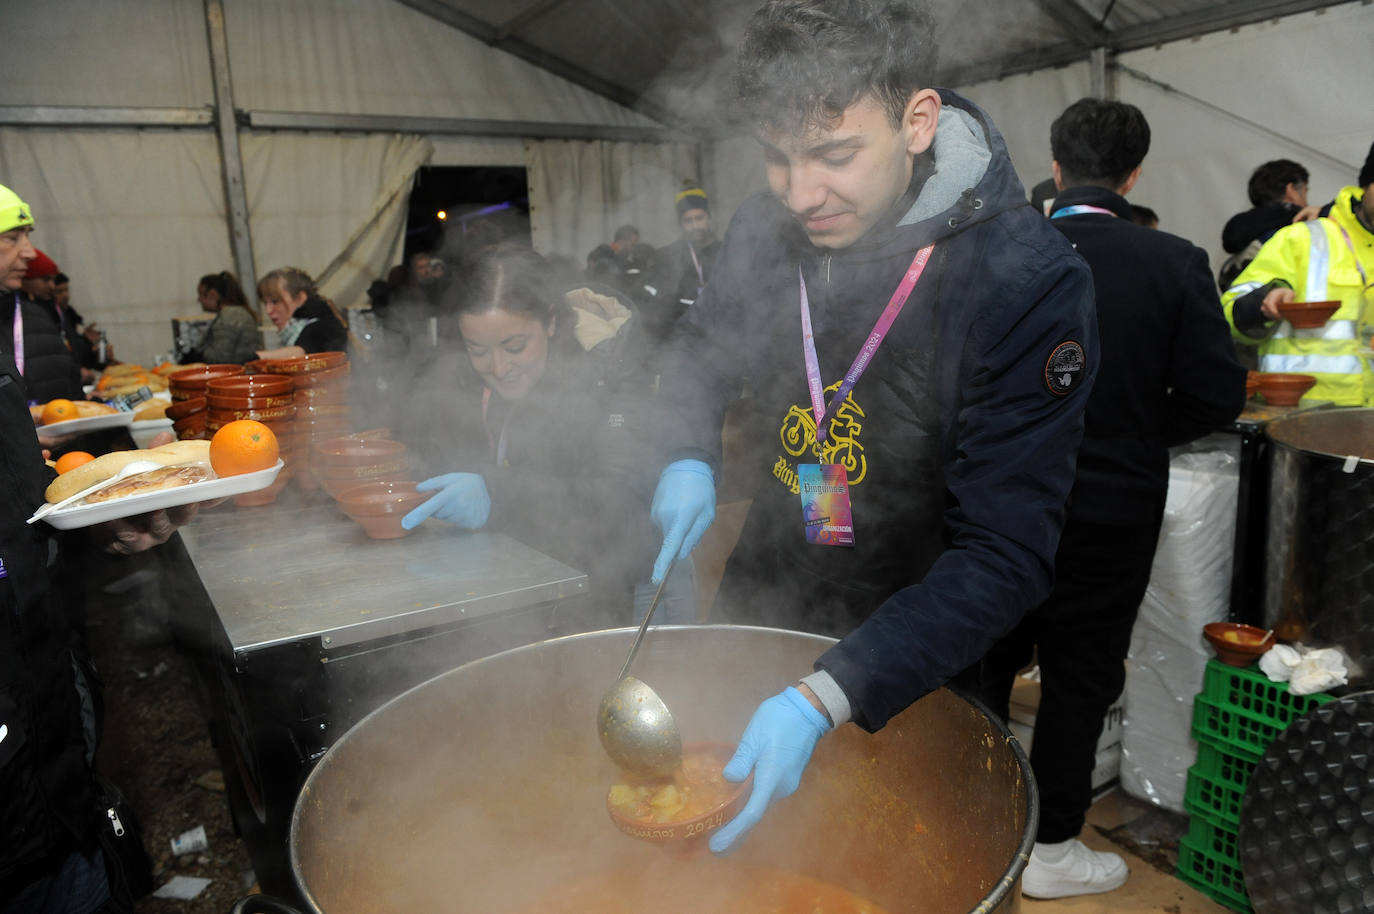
x,y
41,266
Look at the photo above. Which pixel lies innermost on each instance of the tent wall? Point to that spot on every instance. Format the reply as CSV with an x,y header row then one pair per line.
x,y
136,216
1300,78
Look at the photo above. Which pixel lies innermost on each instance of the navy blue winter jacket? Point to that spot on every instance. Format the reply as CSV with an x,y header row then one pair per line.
x,y
959,440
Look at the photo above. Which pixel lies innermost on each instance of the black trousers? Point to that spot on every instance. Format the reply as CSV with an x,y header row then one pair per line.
x,y
1081,634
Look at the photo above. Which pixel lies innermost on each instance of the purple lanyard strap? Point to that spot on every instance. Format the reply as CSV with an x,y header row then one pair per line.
x,y
18,336
870,347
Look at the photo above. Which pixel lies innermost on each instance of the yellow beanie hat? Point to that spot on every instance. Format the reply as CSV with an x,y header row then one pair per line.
x,y
14,213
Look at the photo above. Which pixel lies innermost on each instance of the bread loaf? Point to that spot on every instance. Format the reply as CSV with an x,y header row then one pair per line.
x,y
107,465
154,409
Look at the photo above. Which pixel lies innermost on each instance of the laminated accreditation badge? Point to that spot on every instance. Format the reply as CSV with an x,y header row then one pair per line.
x,y
825,504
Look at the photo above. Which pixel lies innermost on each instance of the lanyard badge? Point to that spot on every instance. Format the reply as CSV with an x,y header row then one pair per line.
x,y
827,514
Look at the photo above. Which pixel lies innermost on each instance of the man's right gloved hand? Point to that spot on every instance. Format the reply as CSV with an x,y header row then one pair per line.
x,y
684,506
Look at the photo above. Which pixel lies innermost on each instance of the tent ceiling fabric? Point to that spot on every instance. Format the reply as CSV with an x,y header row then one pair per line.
x,y
674,55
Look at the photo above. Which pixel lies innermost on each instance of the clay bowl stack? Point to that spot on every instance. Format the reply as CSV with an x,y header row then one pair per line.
x,y
265,398
342,463
188,409
320,396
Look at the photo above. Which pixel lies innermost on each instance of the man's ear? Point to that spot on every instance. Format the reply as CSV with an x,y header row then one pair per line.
x,y
1058,175
1131,178
920,118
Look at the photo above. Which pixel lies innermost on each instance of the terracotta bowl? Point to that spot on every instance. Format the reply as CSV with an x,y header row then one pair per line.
x,y
372,434
190,428
350,452
180,409
331,378
379,506
1237,644
251,385
215,401
318,396
1252,384
337,485
1306,315
1280,389
264,414
305,364
696,828
323,412
191,382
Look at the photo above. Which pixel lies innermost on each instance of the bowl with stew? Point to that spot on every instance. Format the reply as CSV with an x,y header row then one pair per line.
x,y
1237,644
686,806
1307,315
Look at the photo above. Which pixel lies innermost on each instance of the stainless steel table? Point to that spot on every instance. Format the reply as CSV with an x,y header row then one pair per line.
x,y
281,574
299,626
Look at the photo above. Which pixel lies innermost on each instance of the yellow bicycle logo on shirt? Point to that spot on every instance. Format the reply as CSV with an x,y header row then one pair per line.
x,y
842,445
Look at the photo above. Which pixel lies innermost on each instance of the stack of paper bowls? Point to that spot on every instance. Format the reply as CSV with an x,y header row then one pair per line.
x,y
188,409
320,396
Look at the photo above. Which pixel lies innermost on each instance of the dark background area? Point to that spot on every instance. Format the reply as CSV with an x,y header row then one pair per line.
x,y
484,204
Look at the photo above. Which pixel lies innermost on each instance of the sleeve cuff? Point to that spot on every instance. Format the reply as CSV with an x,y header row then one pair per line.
x,y
831,695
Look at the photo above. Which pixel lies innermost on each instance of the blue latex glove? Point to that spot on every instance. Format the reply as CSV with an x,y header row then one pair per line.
x,y
776,746
462,500
684,506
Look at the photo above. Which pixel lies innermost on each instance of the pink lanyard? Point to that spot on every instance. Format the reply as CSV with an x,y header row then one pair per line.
x,y
866,353
497,446
18,336
1079,209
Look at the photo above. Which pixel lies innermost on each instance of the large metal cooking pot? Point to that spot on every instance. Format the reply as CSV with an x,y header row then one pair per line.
x,y
1319,552
484,789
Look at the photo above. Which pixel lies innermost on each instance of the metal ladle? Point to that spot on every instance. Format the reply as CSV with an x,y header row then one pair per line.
x,y
637,731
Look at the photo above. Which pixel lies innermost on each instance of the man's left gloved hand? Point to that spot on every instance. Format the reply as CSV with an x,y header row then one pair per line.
x,y
776,746
462,499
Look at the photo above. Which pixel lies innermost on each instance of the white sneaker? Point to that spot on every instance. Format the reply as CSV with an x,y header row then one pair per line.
x,y
1076,870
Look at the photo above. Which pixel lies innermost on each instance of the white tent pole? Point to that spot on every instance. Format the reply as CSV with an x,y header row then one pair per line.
x,y
226,125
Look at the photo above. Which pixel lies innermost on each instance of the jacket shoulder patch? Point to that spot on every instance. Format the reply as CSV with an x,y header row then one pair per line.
x,y
1064,368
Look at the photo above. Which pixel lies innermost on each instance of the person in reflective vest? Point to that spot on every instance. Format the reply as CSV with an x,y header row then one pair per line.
x,y
1330,259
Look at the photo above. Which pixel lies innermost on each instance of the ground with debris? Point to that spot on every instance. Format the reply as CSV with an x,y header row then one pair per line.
x,y
157,749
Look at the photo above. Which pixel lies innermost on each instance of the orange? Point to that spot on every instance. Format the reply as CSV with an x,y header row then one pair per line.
x,y
58,411
243,446
71,460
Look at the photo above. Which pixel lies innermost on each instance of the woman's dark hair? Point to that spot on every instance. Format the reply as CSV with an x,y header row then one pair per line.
x,y
803,62
517,280
230,292
1270,181
1099,142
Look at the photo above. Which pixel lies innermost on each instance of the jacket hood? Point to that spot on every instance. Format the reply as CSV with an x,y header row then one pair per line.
x,y
970,177
1348,200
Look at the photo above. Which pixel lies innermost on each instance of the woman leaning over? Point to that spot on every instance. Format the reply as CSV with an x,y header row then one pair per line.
x,y
305,322
548,444
234,335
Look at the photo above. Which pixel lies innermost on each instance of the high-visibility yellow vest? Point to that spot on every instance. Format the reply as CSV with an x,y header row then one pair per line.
x,y
1328,259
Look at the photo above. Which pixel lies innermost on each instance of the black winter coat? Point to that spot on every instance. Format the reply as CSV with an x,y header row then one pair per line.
x,y
47,790
50,369
959,440
1169,371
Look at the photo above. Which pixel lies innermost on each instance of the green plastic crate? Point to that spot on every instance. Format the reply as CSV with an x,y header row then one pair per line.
x,y
1213,873
1209,796
1250,692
